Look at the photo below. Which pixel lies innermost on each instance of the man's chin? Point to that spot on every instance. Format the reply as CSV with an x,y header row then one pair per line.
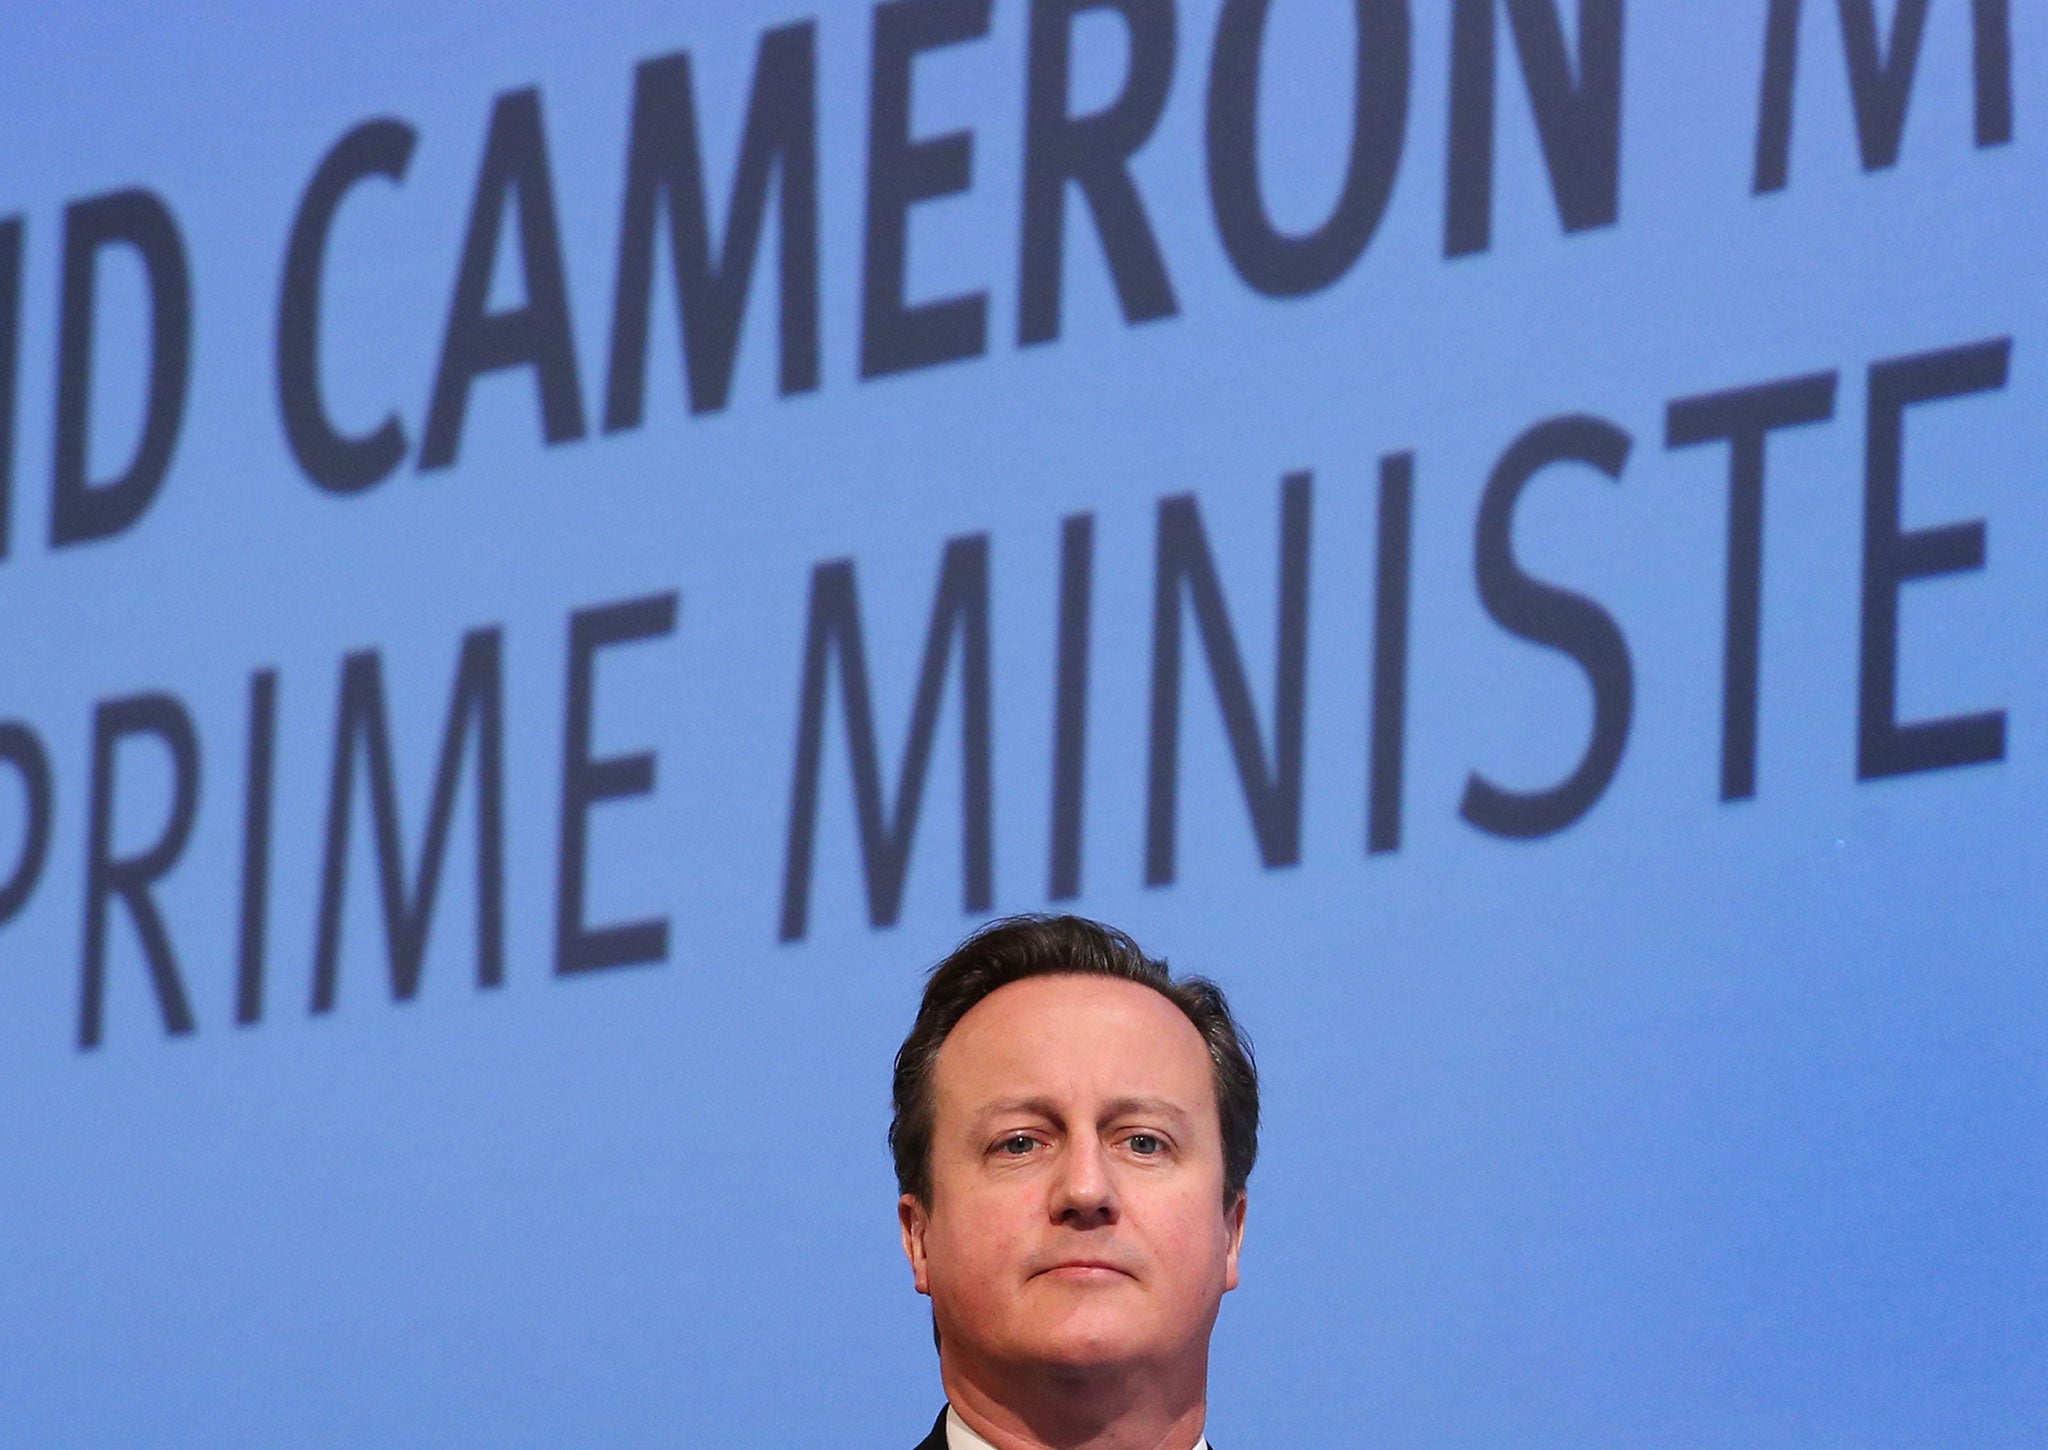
x,y
1089,1343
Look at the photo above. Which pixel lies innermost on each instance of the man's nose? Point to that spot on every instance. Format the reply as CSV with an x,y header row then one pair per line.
x,y
1084,1195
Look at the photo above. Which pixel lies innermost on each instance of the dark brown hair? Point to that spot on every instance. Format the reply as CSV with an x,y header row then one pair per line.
x,y
1017,947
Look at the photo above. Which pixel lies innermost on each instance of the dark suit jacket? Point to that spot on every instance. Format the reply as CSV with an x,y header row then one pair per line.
x,y
937,1439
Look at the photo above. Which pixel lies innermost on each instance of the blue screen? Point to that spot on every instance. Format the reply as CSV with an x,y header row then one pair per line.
x,y
557,557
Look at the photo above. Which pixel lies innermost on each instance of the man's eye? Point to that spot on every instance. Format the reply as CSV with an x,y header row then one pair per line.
x,y
1145,1144
1017,1145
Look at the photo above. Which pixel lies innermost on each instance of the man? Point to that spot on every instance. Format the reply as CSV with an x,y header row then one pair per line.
x,y
1072,1136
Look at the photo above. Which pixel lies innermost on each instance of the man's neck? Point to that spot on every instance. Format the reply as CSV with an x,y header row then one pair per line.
x,y
1100,1411
960,1437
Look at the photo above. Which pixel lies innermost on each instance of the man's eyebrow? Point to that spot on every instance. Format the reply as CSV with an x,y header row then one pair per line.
x,y
1018,1107
1149,1108
1125,1107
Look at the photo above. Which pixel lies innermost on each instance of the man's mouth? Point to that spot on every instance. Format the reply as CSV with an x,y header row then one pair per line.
x,y
1084,1270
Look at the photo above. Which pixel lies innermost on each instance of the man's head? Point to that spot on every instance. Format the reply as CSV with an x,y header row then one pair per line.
x,y
1072,1137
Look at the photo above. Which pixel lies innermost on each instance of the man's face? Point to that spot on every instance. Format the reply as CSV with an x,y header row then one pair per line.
x,y
1077,1214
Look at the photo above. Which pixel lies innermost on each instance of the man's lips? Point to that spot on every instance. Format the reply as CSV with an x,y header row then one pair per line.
x,y
1082,1270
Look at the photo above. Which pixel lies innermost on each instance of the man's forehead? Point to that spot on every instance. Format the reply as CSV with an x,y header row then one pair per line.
x,y
1059,1036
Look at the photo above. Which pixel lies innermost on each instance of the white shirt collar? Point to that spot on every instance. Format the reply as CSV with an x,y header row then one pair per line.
x,y
959,1437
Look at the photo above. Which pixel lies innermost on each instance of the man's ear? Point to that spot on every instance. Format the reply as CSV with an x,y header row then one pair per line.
x,y
1233,1230
913,1218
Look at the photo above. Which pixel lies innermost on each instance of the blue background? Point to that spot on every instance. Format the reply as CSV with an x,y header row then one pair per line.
x,y
1696,1124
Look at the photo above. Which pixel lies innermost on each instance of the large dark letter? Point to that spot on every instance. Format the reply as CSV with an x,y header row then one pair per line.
x,y
665,164
1892,556
536,334
1070,704
330,458
1578,124
10,360
256,794
1546,614
1093,152
895,337
475,706
1743,418
83,509
1272,792
1390,654
588,780
959,607
1269,260
1880,80
130,877
1774,108
1991,66
20,748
